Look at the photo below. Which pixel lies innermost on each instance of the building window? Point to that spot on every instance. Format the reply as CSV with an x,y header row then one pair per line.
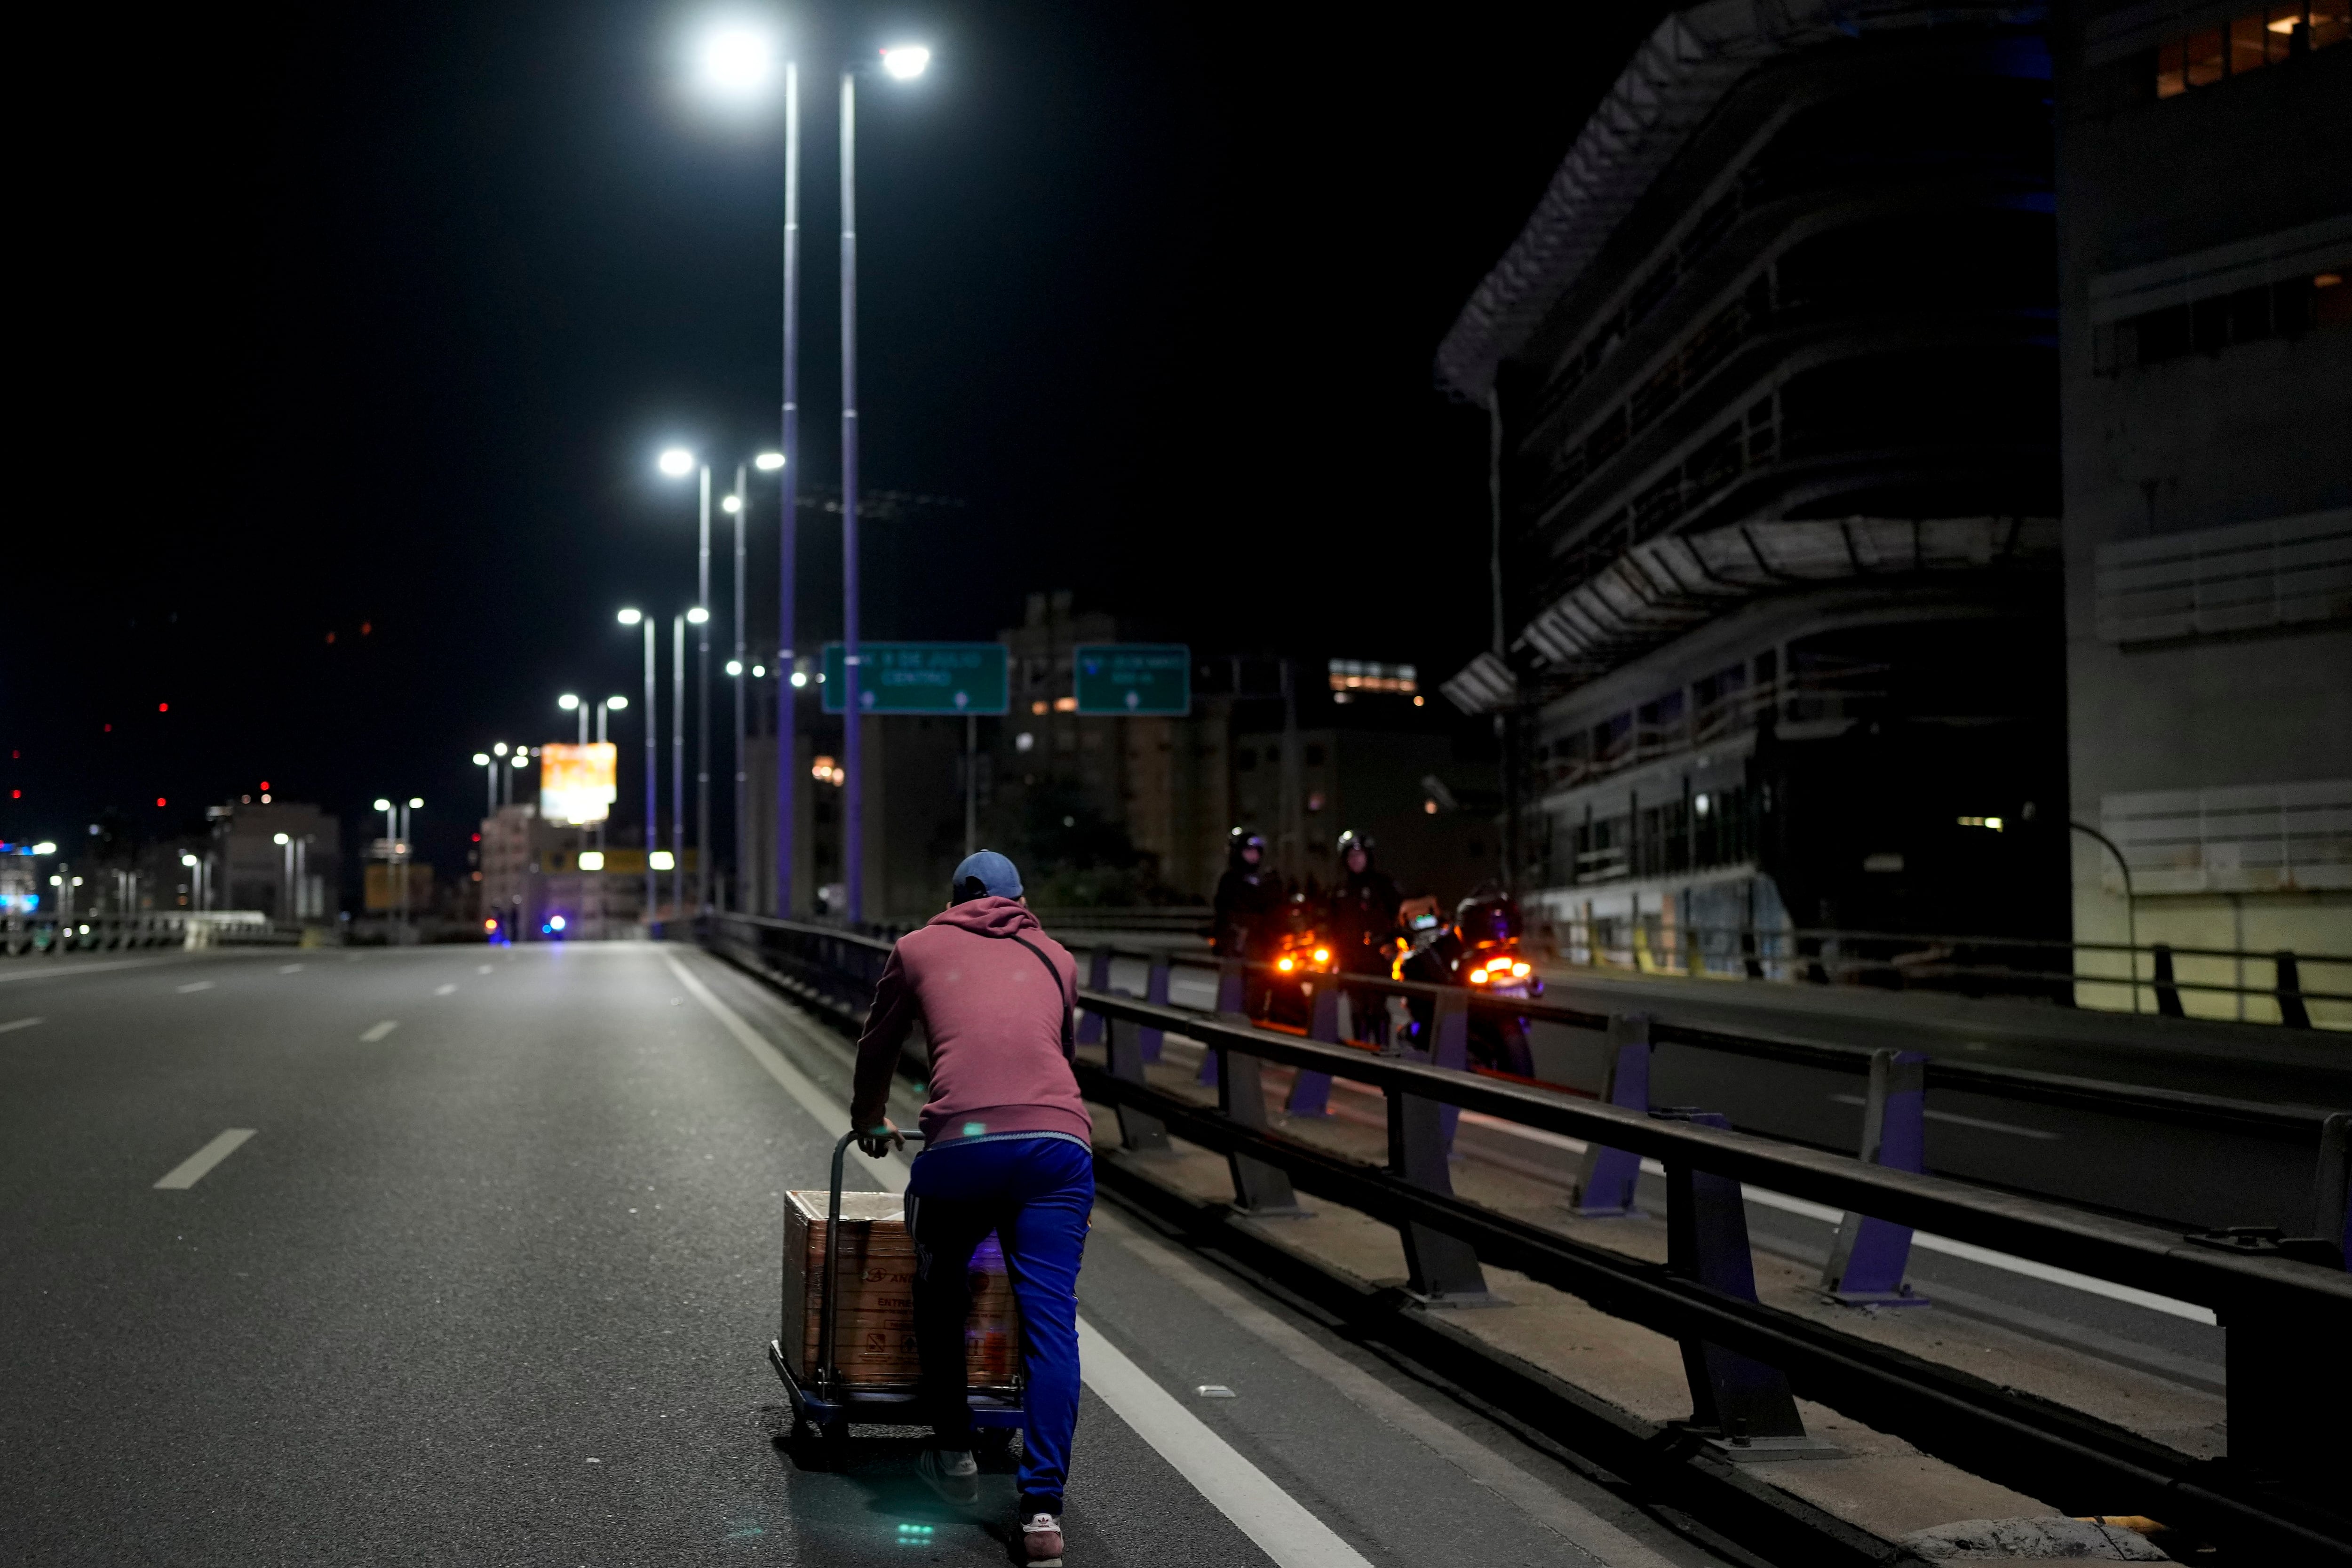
x,y
2217,321
2251,41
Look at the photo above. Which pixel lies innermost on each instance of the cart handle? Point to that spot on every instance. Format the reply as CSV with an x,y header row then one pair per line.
x,y
826,1373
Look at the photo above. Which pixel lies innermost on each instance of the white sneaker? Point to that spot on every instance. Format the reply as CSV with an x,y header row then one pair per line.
x,y
955,1477
1041,1539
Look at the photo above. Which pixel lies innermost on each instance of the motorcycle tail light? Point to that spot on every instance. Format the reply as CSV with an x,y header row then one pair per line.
x,y
1478,977
1522,970
1322,955
1285,964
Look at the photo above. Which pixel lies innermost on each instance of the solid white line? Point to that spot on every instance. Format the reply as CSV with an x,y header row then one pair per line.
x,y
85,969
196,985
1594,1538
1282,1528
17,1023
1269,1516
1926,1241
379,1032
191,1170
1957,1119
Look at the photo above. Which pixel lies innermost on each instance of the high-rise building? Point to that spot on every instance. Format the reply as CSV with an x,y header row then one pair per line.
x,y
1772,375
2205,238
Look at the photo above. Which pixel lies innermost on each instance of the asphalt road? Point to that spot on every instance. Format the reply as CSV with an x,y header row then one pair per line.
x,y
489,1278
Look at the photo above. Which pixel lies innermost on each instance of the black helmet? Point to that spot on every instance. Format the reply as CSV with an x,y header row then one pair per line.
x,y
1241,838
1351,840
1489,914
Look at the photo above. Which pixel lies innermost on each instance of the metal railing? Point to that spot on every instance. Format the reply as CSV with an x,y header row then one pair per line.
x,y
2290,1348
26,935
2291,1122
2005,965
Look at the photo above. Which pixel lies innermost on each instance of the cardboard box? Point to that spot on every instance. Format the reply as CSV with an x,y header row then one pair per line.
x,y
873,1297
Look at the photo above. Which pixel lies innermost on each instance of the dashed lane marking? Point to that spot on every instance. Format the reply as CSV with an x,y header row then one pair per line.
x,y
15,1024
443,990
1282,1528
481,969
196,985
191,1169
288,968
379,1031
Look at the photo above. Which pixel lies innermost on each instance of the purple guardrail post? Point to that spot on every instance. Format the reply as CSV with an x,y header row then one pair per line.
x,y
1097,979
1867,1261
1155,991
1233,1006
1310,1092
1606,1181
1744,1404
1449,1047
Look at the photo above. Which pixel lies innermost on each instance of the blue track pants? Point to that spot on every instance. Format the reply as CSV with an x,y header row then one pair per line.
x,y
1035,1193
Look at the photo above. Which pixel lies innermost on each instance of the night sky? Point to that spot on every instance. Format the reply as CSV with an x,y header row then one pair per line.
x,y
369,320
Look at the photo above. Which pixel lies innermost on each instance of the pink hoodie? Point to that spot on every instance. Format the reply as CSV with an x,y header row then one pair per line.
x,y
994,1015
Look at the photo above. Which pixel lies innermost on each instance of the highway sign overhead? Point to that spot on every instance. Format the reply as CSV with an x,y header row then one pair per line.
x,y
921,677
1132,678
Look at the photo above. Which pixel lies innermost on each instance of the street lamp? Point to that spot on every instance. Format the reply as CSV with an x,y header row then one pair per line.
x,y
637,618
736,61
903,62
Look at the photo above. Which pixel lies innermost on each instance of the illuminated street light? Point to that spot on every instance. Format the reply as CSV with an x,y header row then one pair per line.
x,y
696,615
280,840
631,617
45,847
416,802
482,759
382,805
616,703
568,701
734,667
905,62
735,59
768,462
732,505
677,462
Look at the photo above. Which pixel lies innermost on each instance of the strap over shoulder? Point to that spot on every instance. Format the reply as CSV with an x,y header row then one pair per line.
x,y
1069,1035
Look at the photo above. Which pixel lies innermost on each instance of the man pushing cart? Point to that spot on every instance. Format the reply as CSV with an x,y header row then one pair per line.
x,y
1008,1149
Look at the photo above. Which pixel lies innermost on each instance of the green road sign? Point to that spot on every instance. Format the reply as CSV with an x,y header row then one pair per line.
x,y
1135,680
921,677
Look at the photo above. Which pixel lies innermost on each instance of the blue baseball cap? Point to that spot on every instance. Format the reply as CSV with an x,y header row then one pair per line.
x,y
984,874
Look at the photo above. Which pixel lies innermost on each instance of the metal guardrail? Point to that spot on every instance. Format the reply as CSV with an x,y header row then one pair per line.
x,y
2290,1323
2285,1122
22,935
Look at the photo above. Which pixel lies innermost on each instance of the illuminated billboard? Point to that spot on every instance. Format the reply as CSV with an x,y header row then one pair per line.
x,y
578,784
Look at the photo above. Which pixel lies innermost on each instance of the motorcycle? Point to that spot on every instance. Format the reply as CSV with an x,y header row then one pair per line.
x,y
1300,956
1480,951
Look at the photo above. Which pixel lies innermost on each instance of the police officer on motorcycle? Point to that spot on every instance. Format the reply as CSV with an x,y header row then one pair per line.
x,y
1248,908
1485,934
1361,916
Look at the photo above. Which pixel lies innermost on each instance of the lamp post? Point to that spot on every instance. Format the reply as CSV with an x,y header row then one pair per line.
x,y
633,617
737,505
735,62
902,63
570,702
678,761
489,767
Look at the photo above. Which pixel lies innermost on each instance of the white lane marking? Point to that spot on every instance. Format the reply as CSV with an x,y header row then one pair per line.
x,y
379,1032
1593,1536
196,985
1282,1528
17,1023
1926,1241
443,990
1269,1516
287,968
481,969
1959,1120
85,969
191,1170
